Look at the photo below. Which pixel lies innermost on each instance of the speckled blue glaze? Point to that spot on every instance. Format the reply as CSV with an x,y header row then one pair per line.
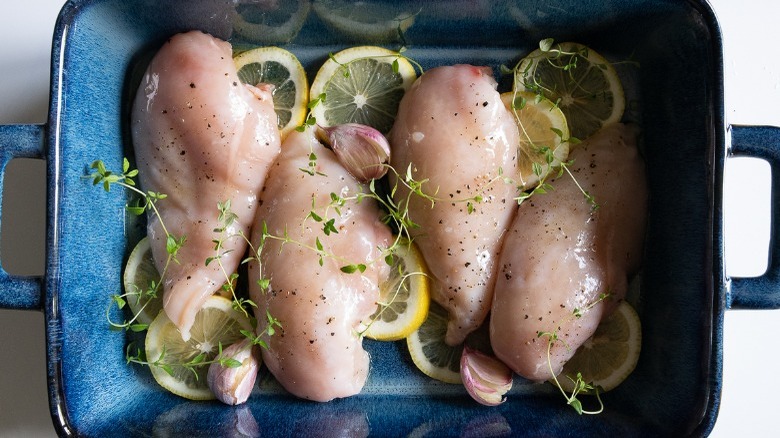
x,y
100,48
19,141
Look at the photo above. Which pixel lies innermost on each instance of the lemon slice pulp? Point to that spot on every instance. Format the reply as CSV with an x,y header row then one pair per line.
x,y
404,297
363,85
580,81
217,323
544,135
430,353
276,66
141,281
610,355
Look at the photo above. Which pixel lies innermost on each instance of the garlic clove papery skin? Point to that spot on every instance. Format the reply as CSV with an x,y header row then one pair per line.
x,y
361,149
486,378
232,385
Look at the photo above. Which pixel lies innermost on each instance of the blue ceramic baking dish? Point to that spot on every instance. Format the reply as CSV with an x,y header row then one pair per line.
x,y
100,46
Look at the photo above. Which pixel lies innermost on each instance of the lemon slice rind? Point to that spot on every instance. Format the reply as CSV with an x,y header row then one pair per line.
x,y
403,306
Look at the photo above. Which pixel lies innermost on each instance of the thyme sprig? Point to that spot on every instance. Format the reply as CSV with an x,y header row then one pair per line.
x,y
271,324
146,201
328,227
544,176
137,355
396,215
120,301
566,61
308,122
227,219
580,385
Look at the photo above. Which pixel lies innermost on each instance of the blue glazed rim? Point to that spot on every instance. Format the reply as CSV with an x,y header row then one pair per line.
x,y
43,141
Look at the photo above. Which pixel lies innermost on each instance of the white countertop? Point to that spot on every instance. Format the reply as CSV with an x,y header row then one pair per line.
x,y
752,83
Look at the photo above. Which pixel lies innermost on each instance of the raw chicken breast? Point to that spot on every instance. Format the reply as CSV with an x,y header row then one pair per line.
x,y
201,137
317,354
453,130
561,255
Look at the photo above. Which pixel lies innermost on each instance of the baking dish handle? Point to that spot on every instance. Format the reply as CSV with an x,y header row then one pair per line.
x,y
19,141
760,292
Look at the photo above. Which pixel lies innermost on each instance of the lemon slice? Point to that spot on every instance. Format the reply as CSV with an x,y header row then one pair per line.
x,y
272,65
268,22
430,353
362,86
404,297
144,299
610,355
365,21
580,81
217,322
544,135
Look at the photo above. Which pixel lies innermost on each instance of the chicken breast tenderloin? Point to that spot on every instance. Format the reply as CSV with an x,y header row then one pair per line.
x,y
201,137
560,256
454,131
317,353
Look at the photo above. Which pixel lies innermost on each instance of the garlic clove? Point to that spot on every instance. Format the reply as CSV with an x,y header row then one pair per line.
x,y
361,149
233,384
486,378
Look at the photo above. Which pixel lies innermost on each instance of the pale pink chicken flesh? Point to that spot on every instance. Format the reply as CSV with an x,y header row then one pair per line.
x,y
453,129
560,255
318,353
201,137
